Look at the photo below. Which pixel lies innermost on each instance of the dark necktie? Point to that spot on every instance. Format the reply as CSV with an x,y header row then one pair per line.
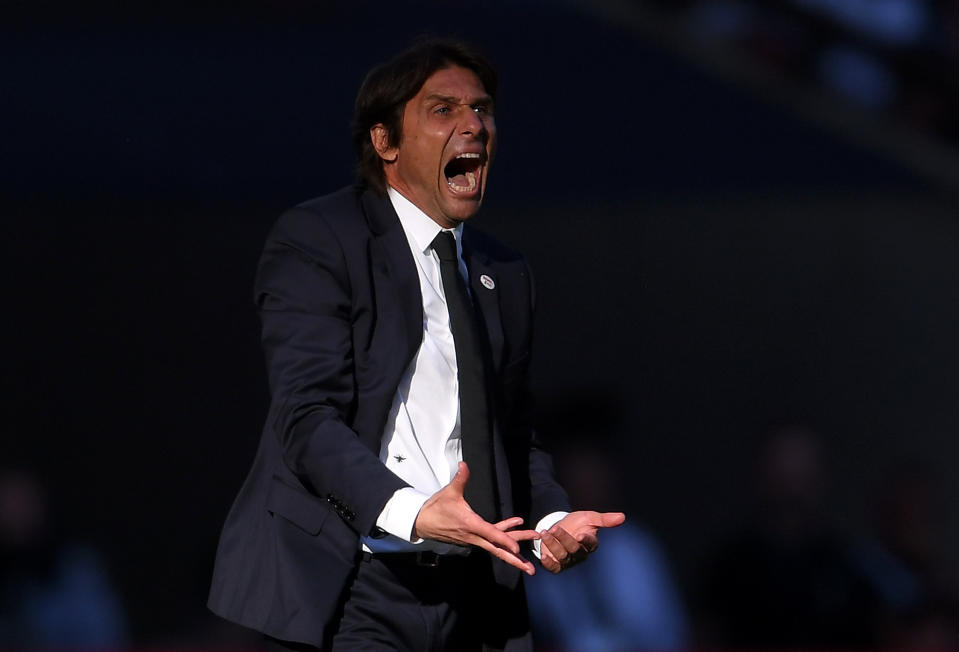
x,y
475,428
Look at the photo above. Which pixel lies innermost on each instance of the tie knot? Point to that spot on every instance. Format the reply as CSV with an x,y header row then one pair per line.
x,y
444,244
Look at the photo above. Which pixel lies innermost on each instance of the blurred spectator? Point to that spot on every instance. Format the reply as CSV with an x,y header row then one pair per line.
x,y
894,58
904,563
892,22
631,603
788,579
52,595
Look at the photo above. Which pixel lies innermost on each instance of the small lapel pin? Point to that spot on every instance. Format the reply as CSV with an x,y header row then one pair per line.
x,y
399,458
487,282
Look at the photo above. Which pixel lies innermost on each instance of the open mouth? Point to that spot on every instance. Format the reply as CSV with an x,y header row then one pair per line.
x,y
461,172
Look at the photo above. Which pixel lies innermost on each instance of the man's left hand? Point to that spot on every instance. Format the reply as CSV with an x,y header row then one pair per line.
x,y
573,539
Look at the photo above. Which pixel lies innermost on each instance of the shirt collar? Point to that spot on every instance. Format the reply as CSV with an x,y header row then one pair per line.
x,y
420,227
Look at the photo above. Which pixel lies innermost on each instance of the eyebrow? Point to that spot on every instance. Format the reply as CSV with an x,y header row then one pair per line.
x,y
482,99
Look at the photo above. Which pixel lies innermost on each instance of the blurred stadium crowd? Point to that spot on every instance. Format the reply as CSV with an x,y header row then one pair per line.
x,y
899,58
787,576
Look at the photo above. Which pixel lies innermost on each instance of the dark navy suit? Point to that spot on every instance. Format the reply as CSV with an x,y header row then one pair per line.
x,y
342,317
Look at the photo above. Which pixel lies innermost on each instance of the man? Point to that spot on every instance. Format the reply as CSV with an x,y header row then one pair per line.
x,y
398,461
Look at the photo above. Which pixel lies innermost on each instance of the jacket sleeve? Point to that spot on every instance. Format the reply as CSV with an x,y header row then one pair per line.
x,y
303,295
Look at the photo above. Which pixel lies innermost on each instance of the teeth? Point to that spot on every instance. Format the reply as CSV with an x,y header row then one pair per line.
x,y
471,178
469,155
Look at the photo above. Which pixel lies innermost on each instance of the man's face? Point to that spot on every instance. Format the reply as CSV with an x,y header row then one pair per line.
x,y
447,144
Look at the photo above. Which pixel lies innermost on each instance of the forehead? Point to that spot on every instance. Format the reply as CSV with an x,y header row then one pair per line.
x,y
455,82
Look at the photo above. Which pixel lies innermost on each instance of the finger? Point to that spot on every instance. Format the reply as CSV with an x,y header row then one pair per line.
x,y
612,519
589,543
544,553
458,483
600,519
548,561
487,532
566,539
508,523
523,535
513,559
578,550
553,545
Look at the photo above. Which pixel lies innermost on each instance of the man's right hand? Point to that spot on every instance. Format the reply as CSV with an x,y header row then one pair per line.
x,y
447,517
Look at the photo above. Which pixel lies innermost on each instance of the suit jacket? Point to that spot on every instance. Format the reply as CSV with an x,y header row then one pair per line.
x,y
342,317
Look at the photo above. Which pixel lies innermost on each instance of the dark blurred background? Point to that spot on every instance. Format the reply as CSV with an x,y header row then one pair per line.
x,y
741,219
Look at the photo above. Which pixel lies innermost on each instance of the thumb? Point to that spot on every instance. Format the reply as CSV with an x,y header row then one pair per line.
x,y
458,483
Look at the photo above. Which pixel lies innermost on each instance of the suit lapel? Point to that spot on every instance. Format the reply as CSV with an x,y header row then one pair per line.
x,y
486,298
485,290
395,281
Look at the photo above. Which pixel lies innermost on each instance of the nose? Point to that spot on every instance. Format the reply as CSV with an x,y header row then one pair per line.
x,y
472,124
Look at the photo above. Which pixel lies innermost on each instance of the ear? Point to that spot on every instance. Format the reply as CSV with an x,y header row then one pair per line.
x,y
380,138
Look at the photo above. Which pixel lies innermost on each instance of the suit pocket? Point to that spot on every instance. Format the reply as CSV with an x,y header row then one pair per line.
x,y
297,506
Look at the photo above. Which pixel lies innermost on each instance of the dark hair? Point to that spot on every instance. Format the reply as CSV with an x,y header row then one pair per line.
x,y
389,86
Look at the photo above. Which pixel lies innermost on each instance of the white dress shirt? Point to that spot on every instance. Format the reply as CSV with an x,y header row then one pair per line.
x,y
421,440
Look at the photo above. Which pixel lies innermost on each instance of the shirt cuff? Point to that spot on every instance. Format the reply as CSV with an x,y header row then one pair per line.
x,y
400,512
546,523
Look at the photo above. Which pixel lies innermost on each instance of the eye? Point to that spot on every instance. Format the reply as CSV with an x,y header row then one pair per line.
x,y
482,109
442,110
